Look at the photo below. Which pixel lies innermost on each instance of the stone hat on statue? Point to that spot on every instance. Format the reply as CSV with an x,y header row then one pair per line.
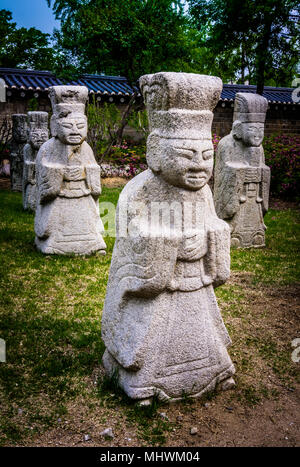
x,y
19,127
180,105
37,120
19,119
68,99
249,108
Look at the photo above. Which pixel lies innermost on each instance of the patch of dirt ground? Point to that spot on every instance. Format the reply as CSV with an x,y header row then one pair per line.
x,y
279,204
238,417
114,182
4,183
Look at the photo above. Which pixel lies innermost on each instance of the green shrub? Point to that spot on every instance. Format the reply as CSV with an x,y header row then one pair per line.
x,y
282,156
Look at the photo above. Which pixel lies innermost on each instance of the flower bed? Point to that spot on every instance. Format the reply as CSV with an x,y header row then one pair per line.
x,y
125,161
282,154
125,171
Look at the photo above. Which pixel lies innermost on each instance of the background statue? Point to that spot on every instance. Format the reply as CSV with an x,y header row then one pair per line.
x,y
161,324
19,138
37,134
242,180
68,180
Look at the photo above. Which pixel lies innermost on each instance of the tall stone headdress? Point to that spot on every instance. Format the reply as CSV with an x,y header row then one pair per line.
x,y
37,120
19,125
180,105
67,100
249,108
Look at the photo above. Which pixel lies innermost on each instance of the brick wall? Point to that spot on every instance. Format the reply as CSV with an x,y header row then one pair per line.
x,y
17,105
281,118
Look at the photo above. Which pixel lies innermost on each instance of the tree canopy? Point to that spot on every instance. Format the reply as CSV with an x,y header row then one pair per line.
x,y
256,40
22,47
126,37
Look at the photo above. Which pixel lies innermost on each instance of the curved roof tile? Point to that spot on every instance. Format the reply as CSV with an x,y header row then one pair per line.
x,y
118,85
272,94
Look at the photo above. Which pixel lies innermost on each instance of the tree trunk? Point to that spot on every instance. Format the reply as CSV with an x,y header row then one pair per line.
x,y
262,54
243,63
116,138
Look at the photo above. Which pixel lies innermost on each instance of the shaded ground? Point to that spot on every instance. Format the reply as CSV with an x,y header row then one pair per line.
x,y
4,183
280,204
53,390
266,413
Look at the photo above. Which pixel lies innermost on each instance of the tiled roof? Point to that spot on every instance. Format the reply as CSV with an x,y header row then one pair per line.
x,y
273,95
118,86
111,85
42,80
28,79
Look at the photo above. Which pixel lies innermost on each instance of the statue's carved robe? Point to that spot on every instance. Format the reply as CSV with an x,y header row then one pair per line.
x,y
241,190
160,290
67,216
16,168
29,182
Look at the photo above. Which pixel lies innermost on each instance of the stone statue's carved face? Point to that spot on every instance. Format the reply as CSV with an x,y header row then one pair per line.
x,y
186,163
252,134
37,137
20,133
72,130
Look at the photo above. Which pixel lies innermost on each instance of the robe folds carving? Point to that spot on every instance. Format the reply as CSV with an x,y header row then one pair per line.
x,y
29,184
161,324
19,138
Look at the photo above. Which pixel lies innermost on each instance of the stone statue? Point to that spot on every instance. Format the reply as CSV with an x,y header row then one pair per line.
x,y
37,131
19,138
242,180
161,325
67,216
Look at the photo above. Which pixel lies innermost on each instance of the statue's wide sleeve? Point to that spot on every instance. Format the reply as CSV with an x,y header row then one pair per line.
x,y
28,167
93,179
141,267
265,179
217,259
29,173
228,182
49,180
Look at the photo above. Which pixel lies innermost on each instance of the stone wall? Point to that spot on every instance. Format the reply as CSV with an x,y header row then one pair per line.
x,y
18,105
281,118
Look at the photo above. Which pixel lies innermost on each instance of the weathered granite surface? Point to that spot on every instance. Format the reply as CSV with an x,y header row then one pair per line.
x,y
241,179
67,219
37,134
161,324
19,138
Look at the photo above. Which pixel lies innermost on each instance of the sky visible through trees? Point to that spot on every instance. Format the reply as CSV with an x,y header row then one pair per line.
x,y
254,41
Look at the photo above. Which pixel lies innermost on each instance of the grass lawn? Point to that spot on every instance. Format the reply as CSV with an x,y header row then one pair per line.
x,y
53,390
